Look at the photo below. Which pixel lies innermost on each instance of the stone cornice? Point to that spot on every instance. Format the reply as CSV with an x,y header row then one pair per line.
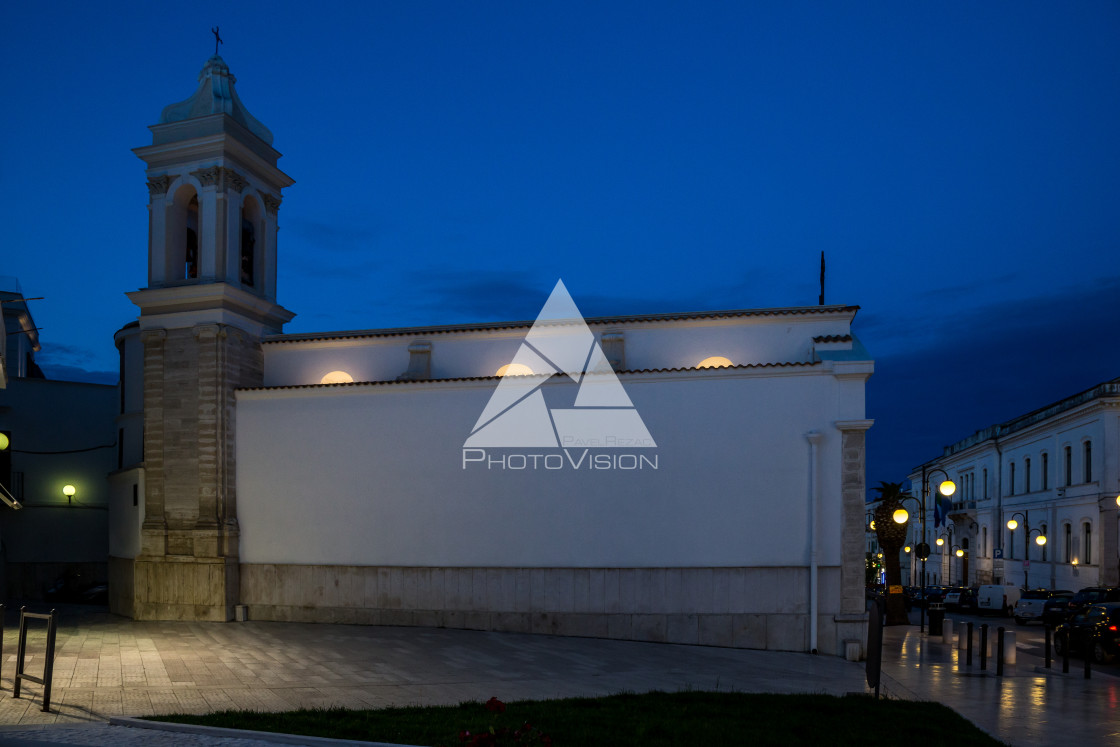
x,y
853,425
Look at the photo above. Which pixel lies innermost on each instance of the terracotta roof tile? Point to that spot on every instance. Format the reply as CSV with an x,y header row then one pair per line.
x,y
629,372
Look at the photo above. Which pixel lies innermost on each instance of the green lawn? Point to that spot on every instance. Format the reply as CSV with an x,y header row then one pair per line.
x,y
687,718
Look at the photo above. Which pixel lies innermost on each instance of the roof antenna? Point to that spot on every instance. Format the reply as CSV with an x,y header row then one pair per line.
x,y
820,301
217,40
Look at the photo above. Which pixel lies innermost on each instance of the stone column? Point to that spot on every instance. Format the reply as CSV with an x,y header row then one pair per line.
x,y
851,623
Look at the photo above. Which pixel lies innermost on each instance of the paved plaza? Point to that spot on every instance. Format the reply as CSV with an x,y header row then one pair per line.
x,y
108,666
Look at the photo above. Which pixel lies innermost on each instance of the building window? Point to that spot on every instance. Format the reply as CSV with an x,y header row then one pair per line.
x,y
1087,543
1088,461
190,255
985,482
1068,543
1027,475
1044,546
1045,471
1069,466
1011,480
984,542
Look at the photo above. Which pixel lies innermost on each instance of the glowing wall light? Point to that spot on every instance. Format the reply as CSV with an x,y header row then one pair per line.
x,y
514,369
715,361
336,377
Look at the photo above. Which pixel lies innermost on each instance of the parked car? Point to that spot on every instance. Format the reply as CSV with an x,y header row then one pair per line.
x,y
969,600
997,599
933,595
1056,609
1091,595
953,596
1031,604
1094,630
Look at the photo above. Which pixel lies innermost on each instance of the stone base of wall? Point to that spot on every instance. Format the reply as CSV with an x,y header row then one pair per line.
x,y
184,588
758,608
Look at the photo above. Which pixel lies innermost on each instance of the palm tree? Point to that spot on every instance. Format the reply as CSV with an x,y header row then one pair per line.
x,y
892,536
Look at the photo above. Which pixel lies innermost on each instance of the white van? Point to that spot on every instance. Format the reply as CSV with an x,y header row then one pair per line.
x,y
998,599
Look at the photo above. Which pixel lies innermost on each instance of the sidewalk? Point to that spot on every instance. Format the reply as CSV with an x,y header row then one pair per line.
x,y
110,666
1028,706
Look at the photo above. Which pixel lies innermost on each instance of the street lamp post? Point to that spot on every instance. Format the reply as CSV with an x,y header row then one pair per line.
x,y
946,488
1040,540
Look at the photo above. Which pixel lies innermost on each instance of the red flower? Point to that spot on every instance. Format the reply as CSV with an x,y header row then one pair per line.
x,y
495,706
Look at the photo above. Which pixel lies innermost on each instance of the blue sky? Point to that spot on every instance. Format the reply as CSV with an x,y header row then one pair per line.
x,y
958,162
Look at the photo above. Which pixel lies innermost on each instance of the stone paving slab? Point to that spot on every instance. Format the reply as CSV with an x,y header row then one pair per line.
x,y
110,666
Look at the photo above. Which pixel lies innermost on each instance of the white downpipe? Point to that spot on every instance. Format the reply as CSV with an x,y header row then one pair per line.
x,y
814,439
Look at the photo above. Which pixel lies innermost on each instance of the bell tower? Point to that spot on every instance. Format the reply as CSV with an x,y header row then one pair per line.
x,y
215,193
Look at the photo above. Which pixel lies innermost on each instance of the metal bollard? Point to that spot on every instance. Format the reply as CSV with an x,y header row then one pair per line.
x,y
968,645
1087,651
1048,633
983,646
1065,655
999,651
947,631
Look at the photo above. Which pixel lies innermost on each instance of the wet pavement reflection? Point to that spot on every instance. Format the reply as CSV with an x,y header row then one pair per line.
x,y
1028,705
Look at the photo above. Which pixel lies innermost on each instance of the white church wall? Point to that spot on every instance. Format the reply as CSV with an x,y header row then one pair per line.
x,y
650,345
354,476
354,507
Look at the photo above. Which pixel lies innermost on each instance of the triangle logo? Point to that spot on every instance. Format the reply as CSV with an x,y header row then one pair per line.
x,y
559,343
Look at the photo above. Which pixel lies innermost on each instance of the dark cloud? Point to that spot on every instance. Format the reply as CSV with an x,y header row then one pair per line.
x,y
62,372
500,295
339,236
987,366
53,352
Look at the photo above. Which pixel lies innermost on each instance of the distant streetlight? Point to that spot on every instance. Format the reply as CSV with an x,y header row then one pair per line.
x,y
69,491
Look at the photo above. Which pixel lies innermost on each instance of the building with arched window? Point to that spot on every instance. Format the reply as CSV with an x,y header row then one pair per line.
x,y
691,477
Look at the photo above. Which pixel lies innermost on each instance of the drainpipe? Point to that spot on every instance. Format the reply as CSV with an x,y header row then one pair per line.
x,y
814,439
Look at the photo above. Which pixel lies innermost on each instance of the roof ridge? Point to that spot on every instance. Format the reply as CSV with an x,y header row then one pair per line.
x,y
601,320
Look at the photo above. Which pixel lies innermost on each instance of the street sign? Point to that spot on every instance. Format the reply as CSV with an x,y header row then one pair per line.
x,y
998,553
997,567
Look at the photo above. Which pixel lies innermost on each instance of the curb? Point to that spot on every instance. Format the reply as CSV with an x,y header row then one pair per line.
x,y
266,736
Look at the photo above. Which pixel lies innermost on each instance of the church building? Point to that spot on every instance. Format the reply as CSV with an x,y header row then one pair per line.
x,y
692,477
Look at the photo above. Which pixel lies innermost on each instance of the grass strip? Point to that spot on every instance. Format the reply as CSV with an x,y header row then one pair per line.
x,y
650,719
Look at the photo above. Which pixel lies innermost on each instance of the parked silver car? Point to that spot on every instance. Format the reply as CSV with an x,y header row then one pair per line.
x,y
1030,605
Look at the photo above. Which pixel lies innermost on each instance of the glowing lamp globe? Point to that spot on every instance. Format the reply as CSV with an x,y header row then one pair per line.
x,y
1012,524
4,444
1040,540
906,549
947,488
940,542
960,553
69,491
900,516
872,525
